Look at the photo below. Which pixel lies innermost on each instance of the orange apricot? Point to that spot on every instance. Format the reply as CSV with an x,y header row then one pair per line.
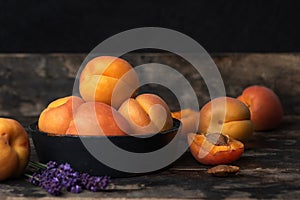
x,y
214,148
264,105
109,80
147,113
189,119
58,115
228,116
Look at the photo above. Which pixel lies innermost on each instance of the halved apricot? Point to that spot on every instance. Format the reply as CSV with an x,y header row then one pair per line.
x,y
214,148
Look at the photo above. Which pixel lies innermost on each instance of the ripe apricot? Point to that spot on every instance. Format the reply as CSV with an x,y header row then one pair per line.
x,y
147,113
109,80
189,119
264,105
214,148
14,148
98,119
228,116
58,114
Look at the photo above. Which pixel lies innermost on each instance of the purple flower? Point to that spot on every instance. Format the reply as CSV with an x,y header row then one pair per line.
x,y
51,164
67,167
53,178
76,189
53,187
94,183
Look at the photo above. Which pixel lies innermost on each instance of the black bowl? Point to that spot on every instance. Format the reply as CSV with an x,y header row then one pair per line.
x,y
70,149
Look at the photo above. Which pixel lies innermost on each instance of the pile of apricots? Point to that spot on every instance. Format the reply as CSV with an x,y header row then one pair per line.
x,y
217,133
108,105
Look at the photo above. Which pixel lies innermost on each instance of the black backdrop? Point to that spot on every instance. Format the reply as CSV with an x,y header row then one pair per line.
x,y
219,26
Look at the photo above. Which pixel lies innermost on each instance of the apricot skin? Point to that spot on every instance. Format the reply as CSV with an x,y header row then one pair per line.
x,y
98,119
109,80
228,116
189,119
264,105
58,115
14,148
147,113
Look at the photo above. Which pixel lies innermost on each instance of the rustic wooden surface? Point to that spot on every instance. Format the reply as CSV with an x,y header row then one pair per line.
x,y
30,81
269,167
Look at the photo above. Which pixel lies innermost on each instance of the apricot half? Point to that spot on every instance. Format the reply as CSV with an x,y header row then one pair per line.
x,y
214,148
264,105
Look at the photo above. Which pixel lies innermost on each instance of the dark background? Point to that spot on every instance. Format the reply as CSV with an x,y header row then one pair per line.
x,y
219,26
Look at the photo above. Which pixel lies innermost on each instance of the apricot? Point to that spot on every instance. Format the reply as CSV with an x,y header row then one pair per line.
x,y
226,115
189,119
98,119
214,148
265,107
14,148
58,115
108,79
147,113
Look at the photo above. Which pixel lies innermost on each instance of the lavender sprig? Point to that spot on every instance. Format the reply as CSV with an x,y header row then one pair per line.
x,y
94,183
53,178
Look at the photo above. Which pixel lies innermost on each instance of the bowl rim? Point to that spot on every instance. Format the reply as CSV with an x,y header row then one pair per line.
x,y
33,128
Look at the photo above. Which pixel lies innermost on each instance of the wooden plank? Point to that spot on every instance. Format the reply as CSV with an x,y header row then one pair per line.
x,y
30,81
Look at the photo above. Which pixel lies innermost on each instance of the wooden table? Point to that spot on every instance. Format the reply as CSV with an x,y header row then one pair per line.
x,y
270,166
270,169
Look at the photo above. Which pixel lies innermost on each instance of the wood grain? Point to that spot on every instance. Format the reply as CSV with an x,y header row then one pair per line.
x,y
30,81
